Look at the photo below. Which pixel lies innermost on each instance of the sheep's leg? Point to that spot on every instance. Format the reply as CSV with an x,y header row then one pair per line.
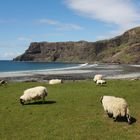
x,y
128,119
5,84
43,99
109,115
115,117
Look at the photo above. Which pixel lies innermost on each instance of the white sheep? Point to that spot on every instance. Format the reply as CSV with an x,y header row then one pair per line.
x,y
116,107
55,81
100,82
35,93
97,77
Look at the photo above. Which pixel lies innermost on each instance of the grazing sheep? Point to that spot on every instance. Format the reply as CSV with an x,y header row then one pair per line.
x,y
35,93
116,107
55,81
3,82
97,77
100,82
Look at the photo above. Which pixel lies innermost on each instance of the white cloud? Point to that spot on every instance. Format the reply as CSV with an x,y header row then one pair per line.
x,y
69,27
8,55
113,33
48,21
120,12
26,39
54,34
6,21
61,26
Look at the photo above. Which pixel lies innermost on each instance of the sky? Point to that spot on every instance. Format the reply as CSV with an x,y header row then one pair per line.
x,y
26,21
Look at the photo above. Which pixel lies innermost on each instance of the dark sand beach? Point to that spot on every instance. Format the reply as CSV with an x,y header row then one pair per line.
x,y
109,71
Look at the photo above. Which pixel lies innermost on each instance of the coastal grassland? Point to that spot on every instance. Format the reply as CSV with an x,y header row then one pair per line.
x,y
72,111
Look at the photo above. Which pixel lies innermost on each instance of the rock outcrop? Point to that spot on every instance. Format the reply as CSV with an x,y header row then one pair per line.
x,y
121,49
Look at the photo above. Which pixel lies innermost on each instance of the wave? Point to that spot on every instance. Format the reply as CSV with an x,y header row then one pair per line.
x,y
135,66
85,65
79,66
91,65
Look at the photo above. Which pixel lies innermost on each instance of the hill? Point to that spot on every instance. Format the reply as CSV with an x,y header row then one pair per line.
x,y
121,49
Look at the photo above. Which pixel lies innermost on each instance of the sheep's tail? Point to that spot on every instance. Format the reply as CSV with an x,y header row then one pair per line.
x,y
128,116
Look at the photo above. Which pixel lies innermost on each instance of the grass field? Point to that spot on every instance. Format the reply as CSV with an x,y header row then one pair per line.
x,y
72,111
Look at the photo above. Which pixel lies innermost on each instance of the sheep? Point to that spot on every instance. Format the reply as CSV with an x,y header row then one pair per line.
x,y
35,93
100,82
55,81
116,107
97,77
3,82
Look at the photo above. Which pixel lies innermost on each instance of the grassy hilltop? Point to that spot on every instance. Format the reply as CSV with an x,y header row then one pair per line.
x,y
72,111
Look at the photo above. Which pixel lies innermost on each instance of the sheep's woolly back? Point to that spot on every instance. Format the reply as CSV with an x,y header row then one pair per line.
x,y
114,105
97,77
35,93
55,81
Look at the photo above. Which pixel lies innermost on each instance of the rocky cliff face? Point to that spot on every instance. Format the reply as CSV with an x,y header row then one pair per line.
x,y
121,49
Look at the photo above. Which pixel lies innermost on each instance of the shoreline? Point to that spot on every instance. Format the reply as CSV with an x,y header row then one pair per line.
x,y
46,75
79,72
43,76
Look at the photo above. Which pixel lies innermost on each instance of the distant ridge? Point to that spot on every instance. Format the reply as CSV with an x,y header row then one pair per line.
x,y
121,49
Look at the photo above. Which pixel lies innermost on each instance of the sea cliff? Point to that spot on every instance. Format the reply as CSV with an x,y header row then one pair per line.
x,y
121,49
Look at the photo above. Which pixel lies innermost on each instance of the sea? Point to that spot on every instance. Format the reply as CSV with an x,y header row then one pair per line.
x,y
9,68
18,66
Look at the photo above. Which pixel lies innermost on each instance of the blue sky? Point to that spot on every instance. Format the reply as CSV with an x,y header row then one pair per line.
x,y
26,21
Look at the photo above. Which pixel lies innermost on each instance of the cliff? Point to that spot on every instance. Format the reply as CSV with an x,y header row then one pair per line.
x,y
121,49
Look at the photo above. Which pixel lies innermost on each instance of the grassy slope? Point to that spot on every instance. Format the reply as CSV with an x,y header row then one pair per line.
x,y
73,112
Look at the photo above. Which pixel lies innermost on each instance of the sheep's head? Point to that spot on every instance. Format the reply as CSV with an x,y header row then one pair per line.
x,y
46,93
22,101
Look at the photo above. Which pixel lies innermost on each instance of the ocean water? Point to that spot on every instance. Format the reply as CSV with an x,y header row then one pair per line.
x,y
15,66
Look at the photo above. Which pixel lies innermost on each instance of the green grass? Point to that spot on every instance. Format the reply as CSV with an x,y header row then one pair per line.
x,y
73,112
113,50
